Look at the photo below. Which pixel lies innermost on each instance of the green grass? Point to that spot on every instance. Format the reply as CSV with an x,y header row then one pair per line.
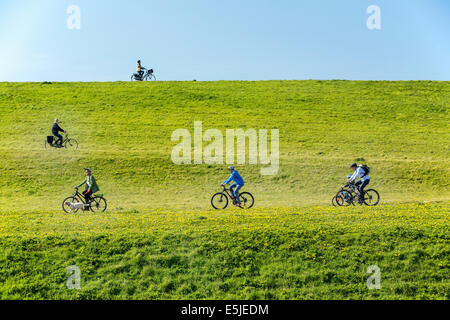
x,y
273,253
400,129
159,238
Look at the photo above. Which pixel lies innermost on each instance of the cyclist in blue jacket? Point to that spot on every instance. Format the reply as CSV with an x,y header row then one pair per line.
x,y
238,183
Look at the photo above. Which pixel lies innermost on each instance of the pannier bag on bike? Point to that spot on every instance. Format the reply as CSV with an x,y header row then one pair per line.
x,y
50,139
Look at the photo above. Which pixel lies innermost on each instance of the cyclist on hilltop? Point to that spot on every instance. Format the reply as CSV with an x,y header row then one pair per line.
x,y
56,129
361,172
238,183
91,185
140,69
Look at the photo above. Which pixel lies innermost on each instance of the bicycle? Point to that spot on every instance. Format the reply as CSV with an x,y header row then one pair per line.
x,y
147,76
220,199
349,195
72,204
333,202
68,143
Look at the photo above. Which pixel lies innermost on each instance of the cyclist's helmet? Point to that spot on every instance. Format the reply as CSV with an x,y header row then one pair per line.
x,y
88,169
231,168
353,165
56,120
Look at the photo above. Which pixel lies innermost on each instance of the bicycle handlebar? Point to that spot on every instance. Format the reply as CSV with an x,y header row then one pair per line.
x,y
349,184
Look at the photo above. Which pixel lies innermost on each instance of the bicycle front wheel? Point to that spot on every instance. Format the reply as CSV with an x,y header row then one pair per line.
x,y
98,204
71,144
333,202
69,205
219,201
371,197
247,200
343,198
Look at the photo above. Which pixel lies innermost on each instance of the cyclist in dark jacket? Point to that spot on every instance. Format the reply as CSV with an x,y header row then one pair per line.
x,y
140,69
56,129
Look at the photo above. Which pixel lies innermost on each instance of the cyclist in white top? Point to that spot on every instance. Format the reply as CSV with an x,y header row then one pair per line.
x,y
361,172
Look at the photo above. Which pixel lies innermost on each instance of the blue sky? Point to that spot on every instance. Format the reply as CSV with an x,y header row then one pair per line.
x,y
225,40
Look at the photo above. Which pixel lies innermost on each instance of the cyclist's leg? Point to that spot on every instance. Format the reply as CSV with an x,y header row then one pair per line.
x,y
357,185
87,195
236,193
234,185
59,140
361,188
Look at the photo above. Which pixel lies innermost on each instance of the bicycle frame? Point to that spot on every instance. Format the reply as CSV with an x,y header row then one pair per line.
x,y
147,75
64,139
77,195
352,190
227,191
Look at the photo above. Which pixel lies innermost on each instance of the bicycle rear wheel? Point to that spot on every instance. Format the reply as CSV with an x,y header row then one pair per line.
x,y
247,200
98,204
219,201
371,197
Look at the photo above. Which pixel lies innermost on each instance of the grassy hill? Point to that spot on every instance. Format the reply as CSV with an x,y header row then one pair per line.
x,y
400,129
276,253
160,239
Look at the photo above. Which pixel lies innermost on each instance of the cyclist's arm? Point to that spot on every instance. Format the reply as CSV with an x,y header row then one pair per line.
x,y
84,182
232,176
228,180
355,175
